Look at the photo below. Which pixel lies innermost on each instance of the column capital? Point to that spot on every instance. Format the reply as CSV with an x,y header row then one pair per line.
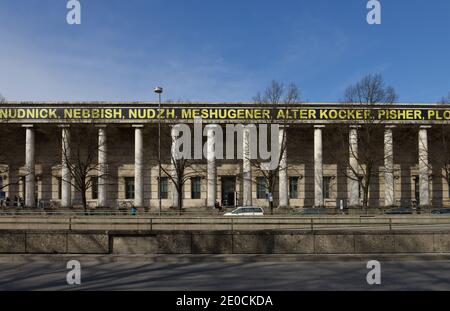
x,y
390,126
424,127
27,125
212,126
355,126
137,125
63,125
319,126
101,126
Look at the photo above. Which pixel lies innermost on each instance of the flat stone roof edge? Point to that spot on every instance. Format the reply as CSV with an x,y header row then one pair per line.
x,y
219,104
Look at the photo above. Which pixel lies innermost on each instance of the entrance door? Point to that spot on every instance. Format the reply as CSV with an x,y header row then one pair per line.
x,y
228,191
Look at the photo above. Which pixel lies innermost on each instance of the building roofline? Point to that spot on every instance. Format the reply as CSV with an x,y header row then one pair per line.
x,y
207,104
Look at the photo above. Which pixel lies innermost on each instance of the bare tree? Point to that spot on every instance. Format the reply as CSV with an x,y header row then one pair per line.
x,y
80,153
7,138
364,156
4,135
6,158
180,169
439,155
275,97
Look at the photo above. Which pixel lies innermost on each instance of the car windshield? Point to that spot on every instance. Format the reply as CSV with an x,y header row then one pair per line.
x,y
247,210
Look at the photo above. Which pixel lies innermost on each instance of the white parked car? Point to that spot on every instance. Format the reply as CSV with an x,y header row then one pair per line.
x,y
246,211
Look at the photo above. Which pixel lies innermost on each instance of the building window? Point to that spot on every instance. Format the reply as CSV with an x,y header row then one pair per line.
x,y
195,188
293,187
24,187
163,188
360,188
417,189
448,184
327,188
36,189
59,179
94,188
129,188
260,188
2,193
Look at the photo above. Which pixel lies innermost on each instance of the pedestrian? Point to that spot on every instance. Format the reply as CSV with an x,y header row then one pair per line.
x,y
133,211
217,205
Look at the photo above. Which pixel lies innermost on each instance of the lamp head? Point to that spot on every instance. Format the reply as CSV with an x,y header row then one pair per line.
x,y
158,90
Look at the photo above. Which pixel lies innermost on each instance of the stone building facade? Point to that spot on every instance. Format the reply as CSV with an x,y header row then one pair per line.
x,y
322,140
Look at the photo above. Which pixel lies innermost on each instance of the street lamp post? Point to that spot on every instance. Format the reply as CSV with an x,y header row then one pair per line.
x,y
158,90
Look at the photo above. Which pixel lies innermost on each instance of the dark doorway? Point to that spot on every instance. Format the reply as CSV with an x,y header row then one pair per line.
x,y
229,191
417,190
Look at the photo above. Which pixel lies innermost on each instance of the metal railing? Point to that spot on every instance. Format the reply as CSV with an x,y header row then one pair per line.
x,y
125,210
148,223
99,212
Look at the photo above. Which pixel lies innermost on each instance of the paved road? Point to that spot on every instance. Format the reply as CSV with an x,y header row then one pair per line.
x,y
259,275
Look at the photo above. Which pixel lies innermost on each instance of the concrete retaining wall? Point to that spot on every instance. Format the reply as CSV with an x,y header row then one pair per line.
x,y
282,242
224,242
53,242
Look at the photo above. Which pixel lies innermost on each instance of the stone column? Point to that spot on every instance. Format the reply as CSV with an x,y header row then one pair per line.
x,y
318,166
175,196
246,168
424,191
66,177
211,168
30,177
389,196
102,167
282,173
353,184
138,166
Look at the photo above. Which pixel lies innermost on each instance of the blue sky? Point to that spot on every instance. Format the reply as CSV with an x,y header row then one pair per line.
x,y
211,50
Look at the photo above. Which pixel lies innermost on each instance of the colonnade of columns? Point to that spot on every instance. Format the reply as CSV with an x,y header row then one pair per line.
x,y
66,176
353,188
